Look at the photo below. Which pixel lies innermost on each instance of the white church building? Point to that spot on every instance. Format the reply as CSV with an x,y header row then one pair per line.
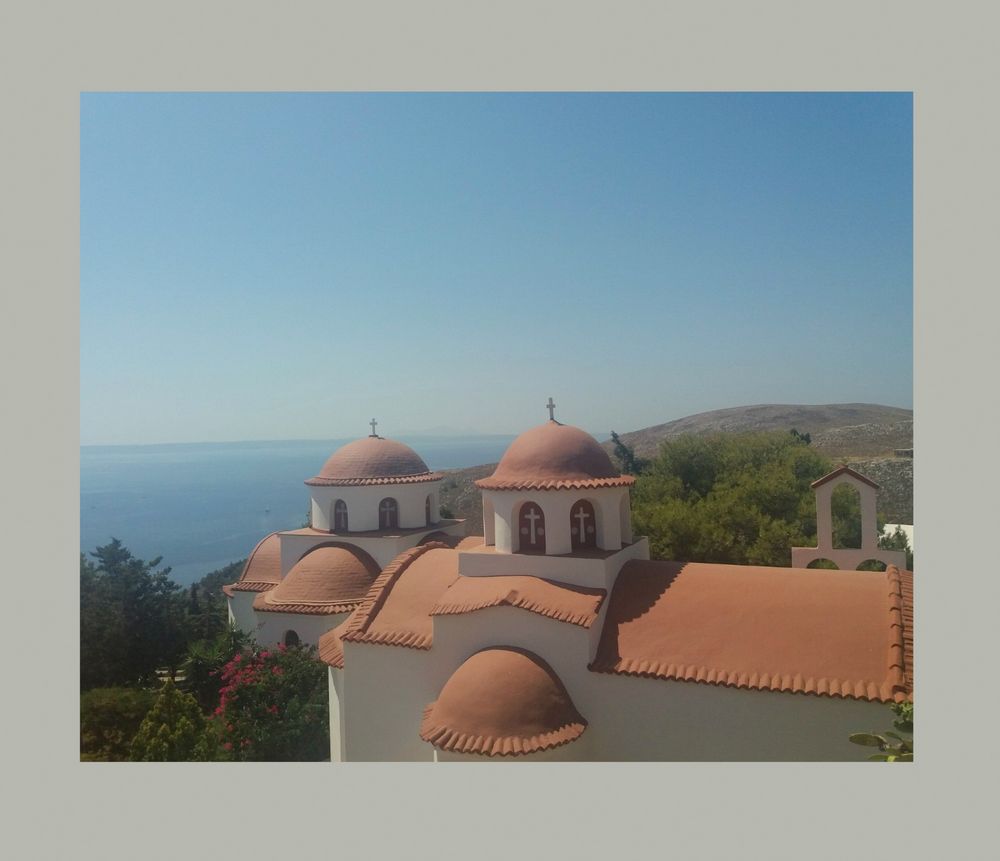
x,y
553,636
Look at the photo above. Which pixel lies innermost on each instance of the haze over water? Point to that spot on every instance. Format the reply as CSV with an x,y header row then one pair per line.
x,y
203,505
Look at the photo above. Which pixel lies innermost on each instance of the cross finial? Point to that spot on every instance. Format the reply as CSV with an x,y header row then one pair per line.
x,y
552,409
373,423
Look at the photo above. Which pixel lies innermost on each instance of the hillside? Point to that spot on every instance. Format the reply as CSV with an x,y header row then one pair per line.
x,y
864,435
838,430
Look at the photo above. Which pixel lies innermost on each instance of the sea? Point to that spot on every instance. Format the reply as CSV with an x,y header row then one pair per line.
x,y
200,506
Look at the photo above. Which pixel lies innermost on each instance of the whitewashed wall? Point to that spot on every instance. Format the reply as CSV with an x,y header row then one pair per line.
x,y
557,505
363,502
272,626
387,688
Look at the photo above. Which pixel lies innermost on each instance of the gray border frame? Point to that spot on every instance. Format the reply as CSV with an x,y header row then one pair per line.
x,y
62,807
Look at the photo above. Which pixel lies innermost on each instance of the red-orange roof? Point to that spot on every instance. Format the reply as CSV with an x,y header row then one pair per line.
x,y
262,570
374,460
330,578
554,456
565,603
502,701
331,649
396,610
834,633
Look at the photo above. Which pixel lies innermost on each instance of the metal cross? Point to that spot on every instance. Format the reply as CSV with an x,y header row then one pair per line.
x,y
373,423
552,410
582,516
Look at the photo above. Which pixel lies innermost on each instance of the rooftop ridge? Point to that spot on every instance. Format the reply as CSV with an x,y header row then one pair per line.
x,y
374,600
513,597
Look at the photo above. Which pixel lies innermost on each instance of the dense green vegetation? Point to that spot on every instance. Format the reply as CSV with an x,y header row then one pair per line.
x,y
273,707
109,718
736,498
137,625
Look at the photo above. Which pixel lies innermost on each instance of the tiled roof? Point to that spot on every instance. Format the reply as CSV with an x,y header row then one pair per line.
x,y
396,610
373,460
906,594
832,633
560,601
502,701
844,470
262,570
553,483
329,578
331,649
554,456
356,482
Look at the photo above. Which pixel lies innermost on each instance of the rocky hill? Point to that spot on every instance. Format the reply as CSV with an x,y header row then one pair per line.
x,y
864,435
838,430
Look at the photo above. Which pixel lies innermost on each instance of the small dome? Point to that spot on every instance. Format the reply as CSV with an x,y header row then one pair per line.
x,y
553,456
331,578
374,460
502,702
262,570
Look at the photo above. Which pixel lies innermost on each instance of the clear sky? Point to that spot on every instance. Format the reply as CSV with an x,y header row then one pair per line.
x,y
286,266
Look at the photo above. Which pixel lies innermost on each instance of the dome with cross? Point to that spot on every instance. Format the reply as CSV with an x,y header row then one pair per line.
x,y
553,456
374,460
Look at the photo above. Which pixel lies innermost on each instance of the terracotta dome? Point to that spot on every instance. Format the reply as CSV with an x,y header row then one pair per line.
x,y
553,456
331,578
263,567
502,702
374,460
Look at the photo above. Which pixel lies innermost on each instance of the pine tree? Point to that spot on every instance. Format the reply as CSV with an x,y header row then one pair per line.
x,y
172,729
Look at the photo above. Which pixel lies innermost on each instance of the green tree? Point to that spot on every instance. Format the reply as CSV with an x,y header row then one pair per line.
x,y
630,464
897,540
273,707
131,618
205,662
731,498
172,731
109,718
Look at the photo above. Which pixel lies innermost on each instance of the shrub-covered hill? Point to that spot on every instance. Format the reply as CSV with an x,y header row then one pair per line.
x,y
864,435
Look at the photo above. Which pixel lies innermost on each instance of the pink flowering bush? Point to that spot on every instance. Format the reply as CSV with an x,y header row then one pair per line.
x,y
273,706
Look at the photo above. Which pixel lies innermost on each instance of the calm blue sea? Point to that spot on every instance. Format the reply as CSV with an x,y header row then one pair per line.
x,y
202,506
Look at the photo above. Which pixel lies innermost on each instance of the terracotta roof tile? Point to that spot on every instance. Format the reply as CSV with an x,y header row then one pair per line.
x,y
560,601
396,610
262,570
374,460
833,633
356,482
502,701
844,470
329,578
906,593
331,649
554,456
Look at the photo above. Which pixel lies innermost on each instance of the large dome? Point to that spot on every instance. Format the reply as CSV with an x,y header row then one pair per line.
x,y
554,456
374,460
502,701
331,578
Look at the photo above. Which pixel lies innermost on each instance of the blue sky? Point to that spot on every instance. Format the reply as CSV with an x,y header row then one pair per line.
x,y
286,266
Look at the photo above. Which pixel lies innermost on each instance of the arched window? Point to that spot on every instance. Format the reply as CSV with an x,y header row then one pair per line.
x,y
582,526
531,528
340,516
388,514
291,638
427,510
